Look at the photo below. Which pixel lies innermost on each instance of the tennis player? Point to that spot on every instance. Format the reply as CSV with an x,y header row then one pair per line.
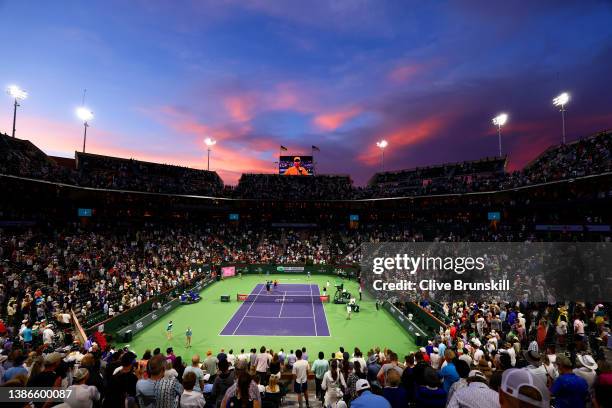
x,y
349,310
169,330
188,334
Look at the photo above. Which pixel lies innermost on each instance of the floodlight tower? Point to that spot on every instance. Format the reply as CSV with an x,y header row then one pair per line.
x,y
560,102
209,143
19,95
85,115
499,121
382,144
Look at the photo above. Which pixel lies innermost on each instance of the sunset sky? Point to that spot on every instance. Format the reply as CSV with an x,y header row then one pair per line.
x,y
427,76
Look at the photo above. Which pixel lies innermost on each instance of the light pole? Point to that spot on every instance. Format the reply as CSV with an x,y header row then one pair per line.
x,y
19,95
499,121
210,143
85,115
560,101
382,144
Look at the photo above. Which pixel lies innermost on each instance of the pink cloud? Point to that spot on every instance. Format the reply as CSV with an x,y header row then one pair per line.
x,y
405,135
334,120
240,107
404,73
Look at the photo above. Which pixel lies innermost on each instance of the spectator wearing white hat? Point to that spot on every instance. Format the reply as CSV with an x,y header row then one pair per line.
x,y
48,335
477,353
365,398
519,387
586,366
82,395
435,358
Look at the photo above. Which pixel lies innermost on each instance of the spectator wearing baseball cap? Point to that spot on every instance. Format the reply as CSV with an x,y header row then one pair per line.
x,y
569,389
477,394
122,384
520,387
366,399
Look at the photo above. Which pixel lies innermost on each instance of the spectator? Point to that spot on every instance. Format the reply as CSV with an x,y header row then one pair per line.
x,y
320,367
197,371
448,372
519,388
190,398
262,364
224,380
569,389
243,394
477,394
210,365
146,391
300,377
122,385
396,395
431,394
82,395
333,383
365,398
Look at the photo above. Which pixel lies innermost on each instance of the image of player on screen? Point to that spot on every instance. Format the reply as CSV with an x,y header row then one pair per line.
x,y
296,169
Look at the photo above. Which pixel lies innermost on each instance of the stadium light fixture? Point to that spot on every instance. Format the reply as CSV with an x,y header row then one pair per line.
x,y
560,101
85,115
499,121
381,145
17,94
210,143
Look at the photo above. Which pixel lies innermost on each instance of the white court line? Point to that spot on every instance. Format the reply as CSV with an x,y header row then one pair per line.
x,y
248,310
293,292
286,317
265,335
314,318
280,312
325,317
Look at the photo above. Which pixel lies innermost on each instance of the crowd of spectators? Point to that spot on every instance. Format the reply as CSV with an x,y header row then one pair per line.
x,y
273,186
100,271
587,156
98,274
489,355
128,174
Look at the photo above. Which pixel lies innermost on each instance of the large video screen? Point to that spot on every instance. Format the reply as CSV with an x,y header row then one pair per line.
x,y
228,271
295,165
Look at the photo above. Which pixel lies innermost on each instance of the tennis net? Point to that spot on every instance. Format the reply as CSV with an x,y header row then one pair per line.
x,y
265,298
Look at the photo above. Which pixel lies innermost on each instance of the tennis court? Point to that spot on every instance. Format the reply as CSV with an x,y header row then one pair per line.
x,y
288,310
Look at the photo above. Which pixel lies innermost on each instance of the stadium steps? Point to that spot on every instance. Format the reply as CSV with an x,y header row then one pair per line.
x,y
283,239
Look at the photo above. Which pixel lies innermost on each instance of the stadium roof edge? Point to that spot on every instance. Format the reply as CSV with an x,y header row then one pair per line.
x,y
478,193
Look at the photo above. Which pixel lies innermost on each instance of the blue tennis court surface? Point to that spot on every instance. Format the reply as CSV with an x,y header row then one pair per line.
x,y
289,310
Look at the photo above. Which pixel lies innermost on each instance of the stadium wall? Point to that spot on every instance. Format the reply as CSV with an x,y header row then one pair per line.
x,y
146,320
420,336
345,271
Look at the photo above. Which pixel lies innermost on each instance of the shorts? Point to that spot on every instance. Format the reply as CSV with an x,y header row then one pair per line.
x,y
300,388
